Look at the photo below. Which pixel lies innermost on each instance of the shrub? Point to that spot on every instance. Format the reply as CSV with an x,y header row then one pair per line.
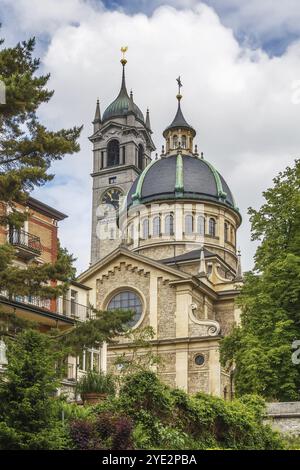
x,y
83,435
122,434
104,431
94,382
144,391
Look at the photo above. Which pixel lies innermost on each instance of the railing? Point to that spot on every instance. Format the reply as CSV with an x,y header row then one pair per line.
x,y
20,238
61,306
72,309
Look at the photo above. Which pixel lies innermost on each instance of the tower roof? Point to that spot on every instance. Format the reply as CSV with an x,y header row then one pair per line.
x,y
123,104
179,120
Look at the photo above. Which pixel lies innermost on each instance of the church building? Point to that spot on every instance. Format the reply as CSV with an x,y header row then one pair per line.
x,y
163,243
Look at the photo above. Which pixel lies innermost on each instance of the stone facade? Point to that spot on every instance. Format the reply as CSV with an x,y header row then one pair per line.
x,y
182,279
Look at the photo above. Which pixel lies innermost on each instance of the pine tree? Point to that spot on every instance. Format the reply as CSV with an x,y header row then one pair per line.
x,y
27,150
261,348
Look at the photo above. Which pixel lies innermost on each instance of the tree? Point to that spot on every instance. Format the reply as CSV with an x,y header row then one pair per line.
x,y
270,299
27,411
27,150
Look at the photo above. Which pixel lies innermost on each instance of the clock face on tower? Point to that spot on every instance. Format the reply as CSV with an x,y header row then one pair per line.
x,y
112,197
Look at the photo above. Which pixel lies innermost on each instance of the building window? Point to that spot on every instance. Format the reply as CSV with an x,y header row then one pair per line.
x,y
140,156
226,232
101,160
183,142
127,300
199,360
145,229
131,232
111,234
212,227
74,302
175,141
112,180
113,153
169,225
201,225
123,155
156,226
232,235
89,359
188,225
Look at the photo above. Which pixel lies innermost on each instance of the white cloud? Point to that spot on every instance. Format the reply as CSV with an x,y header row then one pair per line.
x,y
239,101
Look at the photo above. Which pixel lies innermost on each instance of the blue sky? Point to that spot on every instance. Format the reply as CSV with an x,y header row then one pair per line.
x,y
240,66
267,24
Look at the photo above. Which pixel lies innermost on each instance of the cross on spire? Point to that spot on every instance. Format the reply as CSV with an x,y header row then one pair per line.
x,y
178,80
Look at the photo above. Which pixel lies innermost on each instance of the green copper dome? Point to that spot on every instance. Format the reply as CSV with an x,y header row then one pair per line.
x,y
184,177
122,105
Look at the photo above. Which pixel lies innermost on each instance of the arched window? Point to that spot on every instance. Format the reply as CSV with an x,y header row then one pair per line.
x,y
156,226
169,225
226,232
212,227
183,141
232,235
188,224
127,300
140,156
175,141
145,229
201,225
130,232
113,153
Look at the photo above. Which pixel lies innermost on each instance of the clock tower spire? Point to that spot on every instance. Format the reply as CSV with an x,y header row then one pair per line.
x,y
122,146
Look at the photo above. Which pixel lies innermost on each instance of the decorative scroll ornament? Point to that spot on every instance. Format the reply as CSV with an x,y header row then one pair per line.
x,y
213,327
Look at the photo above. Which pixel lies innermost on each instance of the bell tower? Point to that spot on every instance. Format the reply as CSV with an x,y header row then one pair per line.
x,y
122,146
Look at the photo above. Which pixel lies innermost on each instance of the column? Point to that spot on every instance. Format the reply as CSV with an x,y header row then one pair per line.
x,y
153,303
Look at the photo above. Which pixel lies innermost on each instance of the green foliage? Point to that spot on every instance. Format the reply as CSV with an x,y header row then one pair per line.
x,y
27,147
70,411
292,442
27,150
144,392
96,382
134,360
103,326
270,300
165,418
27,411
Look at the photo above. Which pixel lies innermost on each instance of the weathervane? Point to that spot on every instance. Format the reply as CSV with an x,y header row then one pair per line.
x,y
124,50
178,80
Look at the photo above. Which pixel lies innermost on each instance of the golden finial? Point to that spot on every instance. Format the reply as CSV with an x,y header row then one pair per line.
x,y
124,50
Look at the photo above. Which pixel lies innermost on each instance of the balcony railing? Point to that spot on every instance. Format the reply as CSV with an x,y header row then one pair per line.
x,y
61,306
26,242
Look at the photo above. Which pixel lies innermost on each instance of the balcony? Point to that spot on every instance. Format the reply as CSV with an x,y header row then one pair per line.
x,y
28,246
62,307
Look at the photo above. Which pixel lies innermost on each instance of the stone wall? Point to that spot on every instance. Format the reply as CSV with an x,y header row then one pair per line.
x,y
284,417
166,300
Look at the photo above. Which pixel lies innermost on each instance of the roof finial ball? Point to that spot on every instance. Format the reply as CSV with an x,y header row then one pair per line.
x,y
124,49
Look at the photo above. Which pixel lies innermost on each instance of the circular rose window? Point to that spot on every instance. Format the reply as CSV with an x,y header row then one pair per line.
x,y
199,359
127,300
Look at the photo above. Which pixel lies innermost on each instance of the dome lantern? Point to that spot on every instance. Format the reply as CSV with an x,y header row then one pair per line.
x,y
179,134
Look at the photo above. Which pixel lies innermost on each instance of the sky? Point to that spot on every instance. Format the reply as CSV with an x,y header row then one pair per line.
x,y
240,66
